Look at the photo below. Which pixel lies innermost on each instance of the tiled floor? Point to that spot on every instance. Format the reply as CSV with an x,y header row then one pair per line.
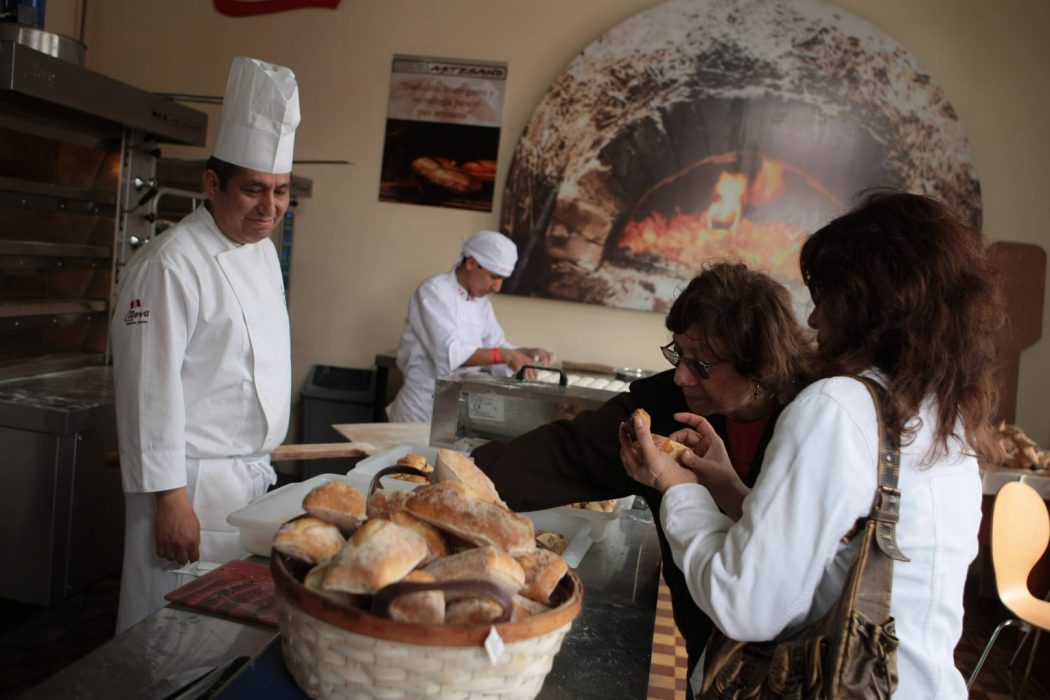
x,y
35,643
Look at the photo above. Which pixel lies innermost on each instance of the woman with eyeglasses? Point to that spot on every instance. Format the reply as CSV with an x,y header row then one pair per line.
x,y
738,356
905,295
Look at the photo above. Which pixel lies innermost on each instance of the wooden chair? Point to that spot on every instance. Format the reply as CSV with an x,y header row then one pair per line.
x,y
1020,535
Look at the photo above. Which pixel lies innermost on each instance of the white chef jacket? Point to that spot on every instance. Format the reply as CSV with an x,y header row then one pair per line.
x,y
782,565
202,367
443,328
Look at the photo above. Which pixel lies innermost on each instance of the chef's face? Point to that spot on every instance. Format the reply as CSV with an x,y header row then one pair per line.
x,y
251,205
479,281
725,391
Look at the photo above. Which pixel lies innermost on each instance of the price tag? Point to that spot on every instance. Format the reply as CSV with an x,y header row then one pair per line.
x,y
485,407
494,646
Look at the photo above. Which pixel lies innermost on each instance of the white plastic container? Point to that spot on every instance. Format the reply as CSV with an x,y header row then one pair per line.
x,y
599,521
260,519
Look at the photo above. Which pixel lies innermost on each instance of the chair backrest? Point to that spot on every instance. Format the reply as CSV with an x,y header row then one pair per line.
x,y
1020,534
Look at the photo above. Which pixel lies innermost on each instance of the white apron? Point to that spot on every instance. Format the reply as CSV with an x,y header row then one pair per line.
x,y
203,392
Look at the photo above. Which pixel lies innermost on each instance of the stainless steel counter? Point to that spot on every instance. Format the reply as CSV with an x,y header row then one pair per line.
x,y
605,655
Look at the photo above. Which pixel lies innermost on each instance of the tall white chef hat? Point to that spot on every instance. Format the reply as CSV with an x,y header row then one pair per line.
x,y
259,115
493,251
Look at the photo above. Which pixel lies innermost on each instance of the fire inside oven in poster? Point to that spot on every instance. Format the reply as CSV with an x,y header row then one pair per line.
x,y
442,132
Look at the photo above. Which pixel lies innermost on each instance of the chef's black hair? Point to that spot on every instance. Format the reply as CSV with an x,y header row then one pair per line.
x,y
223,170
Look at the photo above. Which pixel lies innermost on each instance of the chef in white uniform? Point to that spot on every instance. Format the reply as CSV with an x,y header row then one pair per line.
x,y
451,324
201,350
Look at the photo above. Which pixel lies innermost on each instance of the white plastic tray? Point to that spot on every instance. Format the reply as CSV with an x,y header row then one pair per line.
x,y
260,519
364,471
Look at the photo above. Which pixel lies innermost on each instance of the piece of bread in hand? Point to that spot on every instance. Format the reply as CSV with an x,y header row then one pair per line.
x,y
457,509
309,539
664,444
337,502
380,553
458,468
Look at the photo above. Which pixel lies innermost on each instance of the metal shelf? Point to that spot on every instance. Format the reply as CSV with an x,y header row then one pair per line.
x,y
54,250
43,195
50,307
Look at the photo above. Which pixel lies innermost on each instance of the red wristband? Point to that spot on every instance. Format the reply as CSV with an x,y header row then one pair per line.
x,y
495,356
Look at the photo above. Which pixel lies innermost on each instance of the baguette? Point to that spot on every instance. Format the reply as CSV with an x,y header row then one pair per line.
x,y
664,444
454,508
337,502
379,553
309,539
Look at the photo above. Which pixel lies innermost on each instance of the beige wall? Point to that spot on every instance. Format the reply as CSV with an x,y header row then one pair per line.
x,y
356,260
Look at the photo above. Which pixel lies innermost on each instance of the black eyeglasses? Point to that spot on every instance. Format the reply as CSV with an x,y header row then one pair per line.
x,y
697,367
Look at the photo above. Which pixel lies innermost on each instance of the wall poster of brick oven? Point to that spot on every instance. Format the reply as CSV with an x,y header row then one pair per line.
x,y
704,129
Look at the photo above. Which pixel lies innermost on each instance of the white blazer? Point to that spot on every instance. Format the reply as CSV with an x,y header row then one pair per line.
x,y
202,368
443,328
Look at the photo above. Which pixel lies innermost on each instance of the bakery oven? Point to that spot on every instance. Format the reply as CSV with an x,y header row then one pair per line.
x,y
78,155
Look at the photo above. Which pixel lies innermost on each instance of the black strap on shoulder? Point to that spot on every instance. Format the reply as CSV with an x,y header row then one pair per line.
x,y
887,507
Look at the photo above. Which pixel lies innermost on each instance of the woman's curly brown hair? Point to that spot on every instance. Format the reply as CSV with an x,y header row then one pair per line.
x,y
904,285
747,319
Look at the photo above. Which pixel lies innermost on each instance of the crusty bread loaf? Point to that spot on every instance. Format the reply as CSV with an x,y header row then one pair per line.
x,y
525,607
458,468
436,545
482,563
314,580
424,607
309,539
472,611
337,502
383,502
665,444
417,461
543,570
380,553
454,508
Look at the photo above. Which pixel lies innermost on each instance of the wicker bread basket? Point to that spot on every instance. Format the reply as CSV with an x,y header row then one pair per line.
x,y
341,652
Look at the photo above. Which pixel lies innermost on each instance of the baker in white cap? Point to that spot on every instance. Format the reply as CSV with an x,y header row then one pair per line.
x,y
201,350
451,324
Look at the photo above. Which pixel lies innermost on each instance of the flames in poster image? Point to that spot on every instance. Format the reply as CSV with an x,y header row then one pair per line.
x,y
738,217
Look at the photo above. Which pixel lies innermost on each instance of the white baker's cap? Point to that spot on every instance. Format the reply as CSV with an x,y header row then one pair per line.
x,y
259,115
493,251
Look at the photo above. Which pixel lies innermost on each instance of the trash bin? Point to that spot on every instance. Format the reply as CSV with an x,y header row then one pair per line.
x,y
335,395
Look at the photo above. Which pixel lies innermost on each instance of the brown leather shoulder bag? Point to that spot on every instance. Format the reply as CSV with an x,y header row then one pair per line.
x,y
850,652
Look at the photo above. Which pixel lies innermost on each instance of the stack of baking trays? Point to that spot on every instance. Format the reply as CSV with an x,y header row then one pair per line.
x,y
472,408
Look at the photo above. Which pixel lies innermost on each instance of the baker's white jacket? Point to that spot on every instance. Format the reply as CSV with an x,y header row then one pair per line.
x,y
782,565
202,368
443,328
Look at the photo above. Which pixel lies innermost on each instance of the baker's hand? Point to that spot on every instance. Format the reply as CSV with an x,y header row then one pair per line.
x,y
539,356
709,461
178,530
648,465
516,359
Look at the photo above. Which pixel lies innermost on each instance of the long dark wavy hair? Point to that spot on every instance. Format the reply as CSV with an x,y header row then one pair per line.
x,y
904,285
746,317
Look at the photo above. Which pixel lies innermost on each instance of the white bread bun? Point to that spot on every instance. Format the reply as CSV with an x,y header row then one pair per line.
x,y
454,508
379,553
309,539
424,607
456,467
543,570
483,563
337,502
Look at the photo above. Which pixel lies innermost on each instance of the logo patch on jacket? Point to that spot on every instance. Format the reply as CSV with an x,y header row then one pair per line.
x,y
136,313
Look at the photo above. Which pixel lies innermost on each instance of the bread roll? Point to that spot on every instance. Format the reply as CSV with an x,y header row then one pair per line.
x,y
665,444
314,580
309,539
383,502
525,607
483,563
424,607
454,508
417,461
436,545
458,468
337,502
543,570
553,541
472,611
380,553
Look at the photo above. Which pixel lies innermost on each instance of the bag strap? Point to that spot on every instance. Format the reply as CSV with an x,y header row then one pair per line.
x,y
887,507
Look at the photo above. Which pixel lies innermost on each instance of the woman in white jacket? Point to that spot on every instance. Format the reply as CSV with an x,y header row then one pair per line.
x,y
903,293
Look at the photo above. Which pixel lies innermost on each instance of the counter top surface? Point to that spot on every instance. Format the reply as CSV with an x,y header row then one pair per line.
x,y
605,655
385,435
58,402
